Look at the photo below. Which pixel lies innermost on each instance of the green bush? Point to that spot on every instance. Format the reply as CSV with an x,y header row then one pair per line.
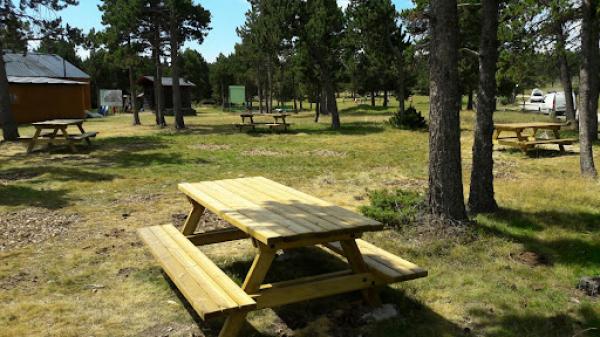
x,y
394,208
411,120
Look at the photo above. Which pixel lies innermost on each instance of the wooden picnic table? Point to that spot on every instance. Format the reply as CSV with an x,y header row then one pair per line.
x,y
527,140
275,217
279,120
55,126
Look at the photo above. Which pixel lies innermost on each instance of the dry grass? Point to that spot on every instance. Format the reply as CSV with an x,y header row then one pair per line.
x,y
95,278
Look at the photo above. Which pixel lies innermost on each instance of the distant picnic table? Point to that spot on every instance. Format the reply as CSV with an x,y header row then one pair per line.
x,y
525,135
55,127
274,217
279,121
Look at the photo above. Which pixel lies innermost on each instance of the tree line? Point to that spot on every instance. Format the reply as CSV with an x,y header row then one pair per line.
x,y
312,50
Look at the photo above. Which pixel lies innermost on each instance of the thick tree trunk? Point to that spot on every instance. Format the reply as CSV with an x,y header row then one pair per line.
x,y
10,130
446,199
481,196
470,100
133,94
332,106
588,98
318,106
372,98
385,98
401,90
158,87
565,75
176,88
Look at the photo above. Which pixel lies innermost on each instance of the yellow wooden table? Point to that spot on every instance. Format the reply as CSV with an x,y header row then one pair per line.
x,y
275,217
524,135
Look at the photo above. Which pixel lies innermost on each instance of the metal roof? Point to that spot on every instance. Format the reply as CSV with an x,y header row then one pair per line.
x,y
168,81
40,65
40,80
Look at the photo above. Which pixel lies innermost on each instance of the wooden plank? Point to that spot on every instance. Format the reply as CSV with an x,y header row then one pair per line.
x,y
268,196
358,265
274,295
299,216
564,141
233,217
193,218
197,297
212,270
387,266
324,207
251,210
195,269
217,236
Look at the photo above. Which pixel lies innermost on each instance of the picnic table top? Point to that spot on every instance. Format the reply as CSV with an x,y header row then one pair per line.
x,y
272,213
537,125
259,114
59,122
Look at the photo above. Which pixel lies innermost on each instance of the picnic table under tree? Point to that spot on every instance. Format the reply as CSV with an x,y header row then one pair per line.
x,y
275,217
525,135
57,134
278,122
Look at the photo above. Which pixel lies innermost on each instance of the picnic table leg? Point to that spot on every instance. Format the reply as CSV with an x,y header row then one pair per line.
x,y
33,140
52,136
69,143
358,265
193,219
87,139
256,275
557,136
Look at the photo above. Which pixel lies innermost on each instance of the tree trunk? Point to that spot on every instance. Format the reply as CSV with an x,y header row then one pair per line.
x,y
318,106
269,87
565,75
470,100
385,98
10,129
481,196
372,98
176,87
158,87
260,89
446,199
588,98
133,94
331,103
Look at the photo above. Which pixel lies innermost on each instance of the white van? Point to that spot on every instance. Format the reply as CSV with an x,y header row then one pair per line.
x,y
556,104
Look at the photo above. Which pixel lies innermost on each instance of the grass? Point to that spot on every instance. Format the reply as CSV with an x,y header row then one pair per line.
x,y
74,285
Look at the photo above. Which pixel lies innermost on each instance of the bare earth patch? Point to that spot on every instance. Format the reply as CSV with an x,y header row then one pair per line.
x,y
532,259
32,225
258,152
14,175
210,147
22,279
326,153
208,222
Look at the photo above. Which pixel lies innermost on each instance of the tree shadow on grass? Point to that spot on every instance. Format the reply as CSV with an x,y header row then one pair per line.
x,y
570,251
352,128
342,311
367,109
12,195
586,324
57,173
537,152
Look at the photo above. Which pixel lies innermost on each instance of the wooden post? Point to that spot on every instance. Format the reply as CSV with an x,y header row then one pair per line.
x,y
358,265
66,135
557,136
191,223
33,140
254,279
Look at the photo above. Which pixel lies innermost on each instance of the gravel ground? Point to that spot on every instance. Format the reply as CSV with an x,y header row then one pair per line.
x,y
32,225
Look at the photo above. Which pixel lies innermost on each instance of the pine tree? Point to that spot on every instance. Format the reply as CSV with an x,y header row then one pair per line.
x,y
20,22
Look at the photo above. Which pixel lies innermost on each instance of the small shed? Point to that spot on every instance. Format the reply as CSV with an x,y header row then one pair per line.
x,y
147,82
46,86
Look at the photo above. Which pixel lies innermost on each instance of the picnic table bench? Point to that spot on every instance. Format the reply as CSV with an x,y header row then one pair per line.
x,y
528,141
275,217
279,121
55,126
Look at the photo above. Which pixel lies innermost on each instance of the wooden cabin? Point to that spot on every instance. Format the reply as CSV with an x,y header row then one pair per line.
x,y
147,82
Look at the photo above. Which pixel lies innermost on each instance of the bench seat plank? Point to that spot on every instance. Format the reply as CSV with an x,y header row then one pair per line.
x,y
83,136
206,287
387,266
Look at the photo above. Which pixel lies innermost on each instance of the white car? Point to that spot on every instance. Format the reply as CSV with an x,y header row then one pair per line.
x,y
537,96
556,104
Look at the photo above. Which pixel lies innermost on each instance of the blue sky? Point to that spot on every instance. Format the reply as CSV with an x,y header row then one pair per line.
x,y
227,15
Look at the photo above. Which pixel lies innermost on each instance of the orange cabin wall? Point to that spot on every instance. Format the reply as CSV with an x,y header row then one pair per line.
x,y
38,102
